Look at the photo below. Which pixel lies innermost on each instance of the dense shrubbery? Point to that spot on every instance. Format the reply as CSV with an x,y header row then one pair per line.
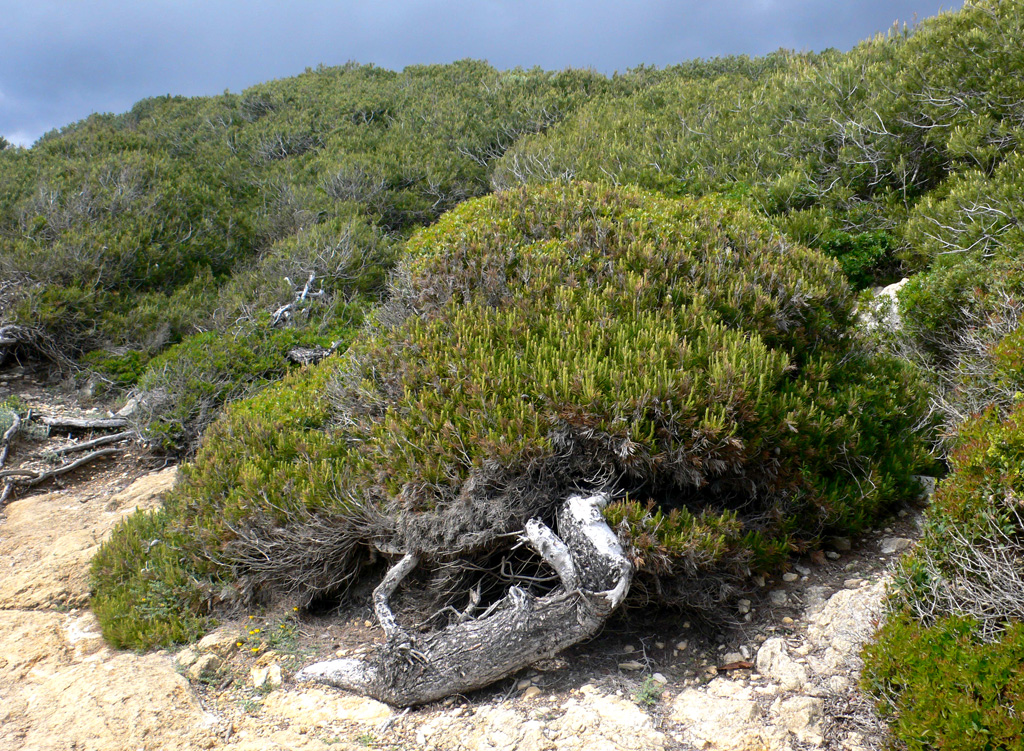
x,y
238,213
944,687
692,360
946,665
681,354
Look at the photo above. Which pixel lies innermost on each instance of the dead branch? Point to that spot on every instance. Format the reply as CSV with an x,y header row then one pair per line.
x,y
26,478
5,442
71,423
103,440
515,632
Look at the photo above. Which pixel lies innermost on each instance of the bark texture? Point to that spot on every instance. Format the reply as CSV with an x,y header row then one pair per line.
x,y
515,632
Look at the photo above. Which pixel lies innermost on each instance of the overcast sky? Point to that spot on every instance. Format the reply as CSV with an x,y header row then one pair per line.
x,y
61,60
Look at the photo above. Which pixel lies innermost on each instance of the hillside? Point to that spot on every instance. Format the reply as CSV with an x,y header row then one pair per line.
x,y
509,277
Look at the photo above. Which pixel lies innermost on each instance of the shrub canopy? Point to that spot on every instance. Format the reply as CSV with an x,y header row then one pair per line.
x,y
682,354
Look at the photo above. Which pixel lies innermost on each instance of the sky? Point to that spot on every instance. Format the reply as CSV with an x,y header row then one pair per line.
x,y
61,60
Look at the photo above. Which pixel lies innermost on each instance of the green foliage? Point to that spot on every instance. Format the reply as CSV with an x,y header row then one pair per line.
x,y
649,692
946,665
140,570
182,389
867,258
539,339
121,371
942,687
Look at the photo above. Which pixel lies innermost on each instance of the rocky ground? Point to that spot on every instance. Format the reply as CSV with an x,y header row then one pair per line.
x,y
783,676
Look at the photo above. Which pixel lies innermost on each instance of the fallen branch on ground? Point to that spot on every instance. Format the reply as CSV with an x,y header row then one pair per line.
x,y
103,440
72,423
28,479
5,442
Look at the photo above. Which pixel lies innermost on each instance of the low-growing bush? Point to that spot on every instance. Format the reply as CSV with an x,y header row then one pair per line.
x,y
142,571
681,355
946,666
183,389
942,687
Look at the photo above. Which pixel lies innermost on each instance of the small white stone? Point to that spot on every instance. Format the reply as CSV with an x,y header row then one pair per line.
x,y
777,597
681,646
743,606
659,679
789,576
832,555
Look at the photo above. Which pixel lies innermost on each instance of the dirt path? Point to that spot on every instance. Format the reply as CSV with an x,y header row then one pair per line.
x,y
783,678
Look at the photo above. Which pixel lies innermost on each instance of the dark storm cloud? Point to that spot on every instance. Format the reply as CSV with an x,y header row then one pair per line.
x,y
62,59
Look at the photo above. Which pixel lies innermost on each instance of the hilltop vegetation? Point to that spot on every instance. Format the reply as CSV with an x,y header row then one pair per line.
x,y
186,247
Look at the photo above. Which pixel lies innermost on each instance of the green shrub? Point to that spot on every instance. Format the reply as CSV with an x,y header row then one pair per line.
x,y
867,258
941,687
183,389
946,666
682,355
142,570
120,371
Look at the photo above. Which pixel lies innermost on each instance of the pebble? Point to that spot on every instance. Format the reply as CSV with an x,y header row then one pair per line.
x,y
787,621
659,645
524,684
777,597
832,555
531,692
853,583
802,570
659,679
790,576
628,648
681,646
631,665
743,606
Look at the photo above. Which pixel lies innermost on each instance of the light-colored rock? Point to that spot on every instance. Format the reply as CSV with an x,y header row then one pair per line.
x,y
743,606
221,641
48,541
269,675
631,665
186,658
842,626
205,667
891,545
531,693
124,701
319,707
773,660
778,597
883,311
790,576
588,721
724,716
800,715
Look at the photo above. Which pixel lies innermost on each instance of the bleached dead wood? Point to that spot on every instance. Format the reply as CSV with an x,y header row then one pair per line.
x,y
517,631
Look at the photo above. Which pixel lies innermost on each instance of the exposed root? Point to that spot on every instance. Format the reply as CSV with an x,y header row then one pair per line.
x,y
515,632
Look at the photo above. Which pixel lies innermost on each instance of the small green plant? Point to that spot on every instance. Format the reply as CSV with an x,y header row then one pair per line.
x,y
366,739
251,705
649,692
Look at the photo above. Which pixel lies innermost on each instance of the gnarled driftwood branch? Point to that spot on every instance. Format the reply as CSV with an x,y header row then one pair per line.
x,y
517,631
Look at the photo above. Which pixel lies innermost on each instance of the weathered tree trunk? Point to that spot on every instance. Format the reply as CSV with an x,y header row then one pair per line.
x,y
517,631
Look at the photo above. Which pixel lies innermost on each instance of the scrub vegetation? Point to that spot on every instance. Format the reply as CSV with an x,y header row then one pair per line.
x,y
524,284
